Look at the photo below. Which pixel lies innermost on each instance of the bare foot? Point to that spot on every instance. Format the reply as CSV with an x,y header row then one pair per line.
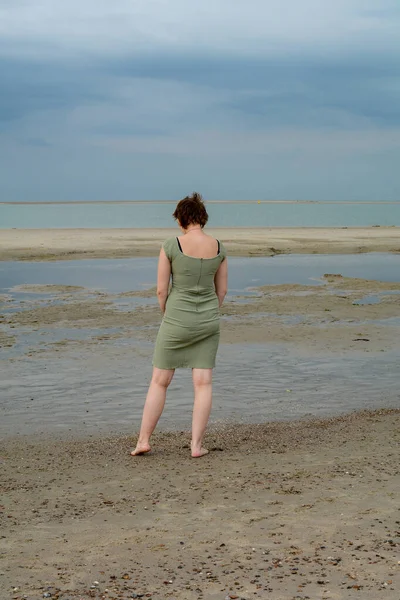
x,y
199,453
141,449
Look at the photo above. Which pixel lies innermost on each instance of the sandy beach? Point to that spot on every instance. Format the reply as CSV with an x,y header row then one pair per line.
x,y
286,511
67,244
296,509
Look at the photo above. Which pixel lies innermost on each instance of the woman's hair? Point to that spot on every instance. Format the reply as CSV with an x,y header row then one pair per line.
x,y
191,211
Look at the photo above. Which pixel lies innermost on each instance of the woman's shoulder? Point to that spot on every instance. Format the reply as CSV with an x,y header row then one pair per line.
x,y
170,240
222,249
169,246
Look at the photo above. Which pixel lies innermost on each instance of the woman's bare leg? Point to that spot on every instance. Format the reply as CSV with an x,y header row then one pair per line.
x,y
153,408
202,383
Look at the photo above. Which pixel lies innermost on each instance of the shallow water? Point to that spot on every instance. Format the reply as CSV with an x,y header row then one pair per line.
x,y
121,275
376,298
253,383
88,390
30,340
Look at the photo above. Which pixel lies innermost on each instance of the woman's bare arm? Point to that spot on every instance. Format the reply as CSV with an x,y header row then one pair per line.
x,y
221,281
163,277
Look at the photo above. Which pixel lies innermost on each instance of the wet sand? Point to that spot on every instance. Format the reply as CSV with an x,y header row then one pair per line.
x,y
288,511
67,244
330,317
294,350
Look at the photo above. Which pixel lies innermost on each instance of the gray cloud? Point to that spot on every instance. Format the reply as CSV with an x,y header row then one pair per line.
x,y
173,90
234,80
37,142
29,87
257,27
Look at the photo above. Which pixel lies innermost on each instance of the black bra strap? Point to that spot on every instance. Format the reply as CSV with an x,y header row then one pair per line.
x,y
180,247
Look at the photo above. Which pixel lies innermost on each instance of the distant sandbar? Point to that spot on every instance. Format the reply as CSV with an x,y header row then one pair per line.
x,y
70,244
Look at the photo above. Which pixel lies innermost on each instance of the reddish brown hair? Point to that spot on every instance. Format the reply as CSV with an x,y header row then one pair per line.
x,y
191,211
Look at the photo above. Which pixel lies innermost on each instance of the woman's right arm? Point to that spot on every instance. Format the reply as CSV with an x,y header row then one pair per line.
x,y
221,281
163,277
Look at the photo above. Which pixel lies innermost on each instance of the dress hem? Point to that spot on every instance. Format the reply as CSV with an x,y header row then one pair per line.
x,y
183,367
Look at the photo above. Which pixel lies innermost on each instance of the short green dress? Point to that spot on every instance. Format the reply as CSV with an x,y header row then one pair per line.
x,y
189,332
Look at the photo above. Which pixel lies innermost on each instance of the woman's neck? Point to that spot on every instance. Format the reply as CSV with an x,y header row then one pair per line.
x,y
192,228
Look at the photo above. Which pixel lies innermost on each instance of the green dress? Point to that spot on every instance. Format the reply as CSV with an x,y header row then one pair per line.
x,y
189,332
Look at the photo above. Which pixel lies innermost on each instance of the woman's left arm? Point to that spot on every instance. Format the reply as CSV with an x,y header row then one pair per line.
x,y
163,277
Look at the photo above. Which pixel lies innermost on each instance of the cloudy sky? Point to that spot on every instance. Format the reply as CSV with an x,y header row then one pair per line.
x,y
238,99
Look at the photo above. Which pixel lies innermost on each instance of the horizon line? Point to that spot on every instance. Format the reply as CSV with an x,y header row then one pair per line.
x,y
55,202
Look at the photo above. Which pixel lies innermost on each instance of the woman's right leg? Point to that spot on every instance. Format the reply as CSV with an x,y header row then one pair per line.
x,y
153,407
202,382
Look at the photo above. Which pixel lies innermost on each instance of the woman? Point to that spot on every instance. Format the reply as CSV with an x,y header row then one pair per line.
x,y
189,332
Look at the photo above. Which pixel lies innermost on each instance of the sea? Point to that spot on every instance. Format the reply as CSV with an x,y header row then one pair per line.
x,y
143,214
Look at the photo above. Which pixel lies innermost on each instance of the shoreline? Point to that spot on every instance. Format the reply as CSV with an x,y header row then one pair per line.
x,y
279,435
76,244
